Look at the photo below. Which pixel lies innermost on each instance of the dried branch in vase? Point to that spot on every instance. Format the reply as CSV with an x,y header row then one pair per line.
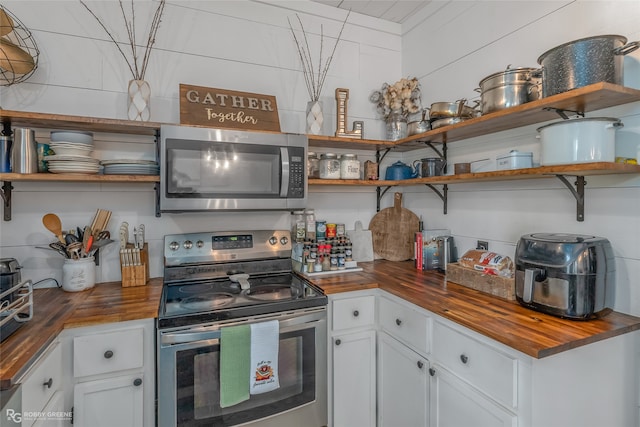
x,y
312,78
138,70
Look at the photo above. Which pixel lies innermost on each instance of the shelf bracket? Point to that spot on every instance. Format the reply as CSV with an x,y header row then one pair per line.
x,y
6,197
443,195
577,192
380,158
562,113
379,194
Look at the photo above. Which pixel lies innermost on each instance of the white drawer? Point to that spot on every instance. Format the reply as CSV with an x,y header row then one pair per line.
x,y
353,312
41,382
108,352
486,368
405,324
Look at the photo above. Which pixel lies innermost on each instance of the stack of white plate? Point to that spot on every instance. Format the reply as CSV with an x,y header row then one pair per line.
x,y
72,153
59,163
130,167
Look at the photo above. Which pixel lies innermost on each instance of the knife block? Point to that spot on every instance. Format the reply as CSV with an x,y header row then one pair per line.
x,y
136,275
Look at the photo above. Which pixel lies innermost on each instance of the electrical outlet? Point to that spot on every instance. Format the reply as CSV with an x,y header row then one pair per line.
x,y
483,245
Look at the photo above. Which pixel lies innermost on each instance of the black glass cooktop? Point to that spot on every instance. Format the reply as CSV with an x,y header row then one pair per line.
x,y
206,301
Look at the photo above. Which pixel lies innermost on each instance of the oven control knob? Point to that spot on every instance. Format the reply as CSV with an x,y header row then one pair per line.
x,y
273,240
174,246
199,243
284,240
188,244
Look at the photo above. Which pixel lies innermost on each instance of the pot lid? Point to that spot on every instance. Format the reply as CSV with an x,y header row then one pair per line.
x,y
583,119
508,71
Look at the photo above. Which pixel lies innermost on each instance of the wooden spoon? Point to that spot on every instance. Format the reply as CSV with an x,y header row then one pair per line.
x,y
6,23
52,223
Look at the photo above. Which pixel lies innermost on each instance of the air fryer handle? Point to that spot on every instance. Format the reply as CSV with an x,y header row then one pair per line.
x,y
530,276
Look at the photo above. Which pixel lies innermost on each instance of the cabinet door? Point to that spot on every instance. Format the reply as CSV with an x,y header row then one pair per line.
x,y
354,379
456,404
403,385
54,414
41,382
109,402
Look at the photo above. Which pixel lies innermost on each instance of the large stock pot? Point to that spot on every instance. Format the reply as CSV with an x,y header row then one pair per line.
x,y
583,62
509,88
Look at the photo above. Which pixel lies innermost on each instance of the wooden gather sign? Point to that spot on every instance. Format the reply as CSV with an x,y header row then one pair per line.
x,y
205,106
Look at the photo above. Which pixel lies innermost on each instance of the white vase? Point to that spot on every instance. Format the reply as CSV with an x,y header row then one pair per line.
x,y
315,118
139,107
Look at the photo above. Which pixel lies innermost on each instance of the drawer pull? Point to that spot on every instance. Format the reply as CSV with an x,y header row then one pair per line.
x,y
356,313
398,322
137,382
49,383
338,342
108,354
420,364
432,372
464,359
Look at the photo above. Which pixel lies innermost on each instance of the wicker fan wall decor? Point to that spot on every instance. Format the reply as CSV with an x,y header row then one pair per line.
x,y
18,50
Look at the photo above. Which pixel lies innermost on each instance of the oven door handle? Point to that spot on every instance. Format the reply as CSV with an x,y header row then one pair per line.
x,y
190,337
284,176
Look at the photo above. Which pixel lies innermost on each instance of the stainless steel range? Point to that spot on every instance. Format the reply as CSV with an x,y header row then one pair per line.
x,y
215,280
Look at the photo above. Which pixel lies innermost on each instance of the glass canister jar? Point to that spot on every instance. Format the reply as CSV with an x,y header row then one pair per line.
x,y
349,167
329,166
313,165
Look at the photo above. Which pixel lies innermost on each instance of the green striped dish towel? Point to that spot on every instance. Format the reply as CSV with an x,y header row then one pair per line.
x,y
235,354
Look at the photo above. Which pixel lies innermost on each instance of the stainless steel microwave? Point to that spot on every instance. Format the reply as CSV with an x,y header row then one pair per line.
x,y
206,169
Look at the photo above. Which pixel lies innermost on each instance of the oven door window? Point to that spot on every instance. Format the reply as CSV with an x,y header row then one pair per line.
x,y
204,170
198,384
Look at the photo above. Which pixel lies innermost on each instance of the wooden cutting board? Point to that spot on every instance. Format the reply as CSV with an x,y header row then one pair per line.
x,y
393,230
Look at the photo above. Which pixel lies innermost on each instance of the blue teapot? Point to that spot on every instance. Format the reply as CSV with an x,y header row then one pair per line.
x,y
399,170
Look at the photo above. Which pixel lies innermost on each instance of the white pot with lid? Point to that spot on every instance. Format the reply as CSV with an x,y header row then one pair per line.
x,y
581,140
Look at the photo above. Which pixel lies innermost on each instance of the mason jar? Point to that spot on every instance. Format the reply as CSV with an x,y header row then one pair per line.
x,y
329,166
349,167
313,165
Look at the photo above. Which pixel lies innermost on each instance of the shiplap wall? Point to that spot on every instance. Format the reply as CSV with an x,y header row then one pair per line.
x,y
247,46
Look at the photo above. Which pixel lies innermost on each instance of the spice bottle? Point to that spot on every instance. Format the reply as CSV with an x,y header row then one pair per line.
x,y
333,260
310,219
298,226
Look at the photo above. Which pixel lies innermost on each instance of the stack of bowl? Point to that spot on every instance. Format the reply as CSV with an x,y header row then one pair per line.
x,y
72,153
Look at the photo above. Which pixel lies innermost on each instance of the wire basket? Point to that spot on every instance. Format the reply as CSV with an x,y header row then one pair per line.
x,y
18,50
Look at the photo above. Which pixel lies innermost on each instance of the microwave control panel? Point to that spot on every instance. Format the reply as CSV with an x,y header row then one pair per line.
x,y
297,171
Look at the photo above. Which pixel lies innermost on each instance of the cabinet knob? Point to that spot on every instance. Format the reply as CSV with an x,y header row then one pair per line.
x,y
356,313
338,341
420,364
48,384
432,372
108,354
137,382
398,322
464,359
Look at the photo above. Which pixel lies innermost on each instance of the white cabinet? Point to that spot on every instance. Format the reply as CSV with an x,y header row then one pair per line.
x,y
113,368
405,323
352,360
354,379
124,395
456,404
42,382
55,413
403,385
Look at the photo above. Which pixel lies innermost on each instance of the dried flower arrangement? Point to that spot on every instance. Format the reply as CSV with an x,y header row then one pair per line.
x,y
403,97
137,70
312,78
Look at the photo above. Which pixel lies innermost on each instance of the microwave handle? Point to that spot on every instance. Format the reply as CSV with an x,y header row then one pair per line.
x,y
284,167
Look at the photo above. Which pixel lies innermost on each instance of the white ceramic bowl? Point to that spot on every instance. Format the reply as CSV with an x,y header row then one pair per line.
x,y
76,136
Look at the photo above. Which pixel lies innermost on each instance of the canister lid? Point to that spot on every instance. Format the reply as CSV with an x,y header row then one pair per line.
x,y
349,156
328,156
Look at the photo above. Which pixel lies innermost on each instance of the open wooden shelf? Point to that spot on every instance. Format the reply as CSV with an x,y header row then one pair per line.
x,y
70,177
585,99
583,169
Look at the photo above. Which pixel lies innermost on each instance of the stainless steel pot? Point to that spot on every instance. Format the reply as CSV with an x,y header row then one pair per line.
x,y
509,88
446,122
583,62
419,126
431,166
444,110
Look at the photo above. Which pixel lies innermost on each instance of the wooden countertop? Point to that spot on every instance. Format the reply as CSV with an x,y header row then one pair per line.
x,y
530,332
55,310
